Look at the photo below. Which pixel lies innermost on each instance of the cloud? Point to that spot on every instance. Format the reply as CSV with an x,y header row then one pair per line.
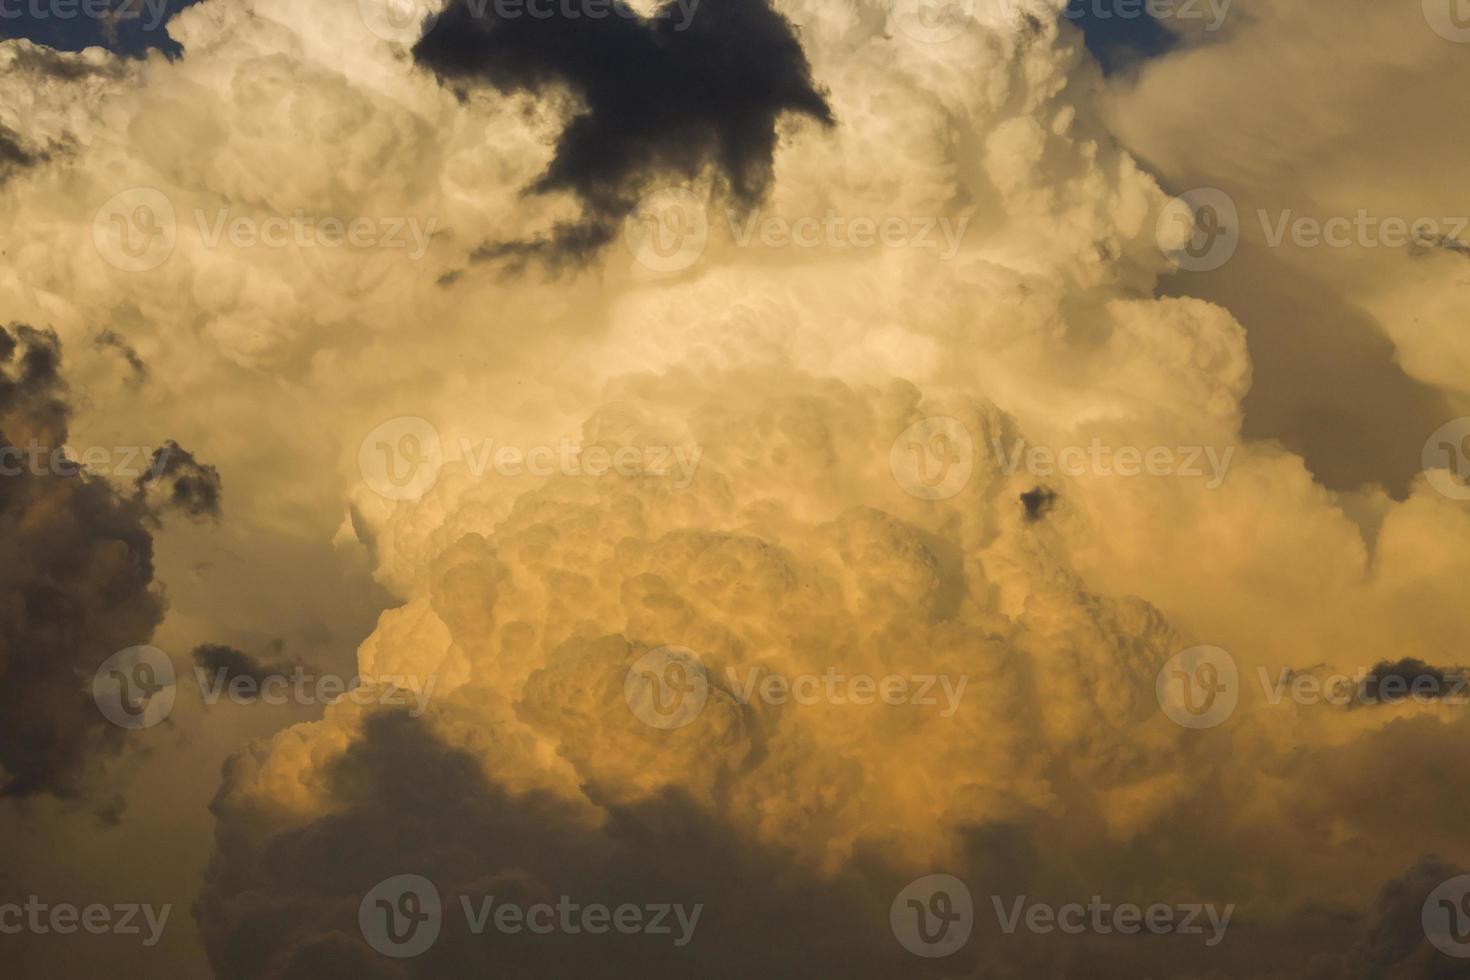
x,y
667,97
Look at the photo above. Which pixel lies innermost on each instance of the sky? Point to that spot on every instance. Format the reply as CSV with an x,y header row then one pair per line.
x,y
734,488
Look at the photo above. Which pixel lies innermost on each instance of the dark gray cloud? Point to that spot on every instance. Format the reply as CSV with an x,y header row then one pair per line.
x,y
112,340
1391,683
76,583
186,484
215,657
667,98
1038,502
